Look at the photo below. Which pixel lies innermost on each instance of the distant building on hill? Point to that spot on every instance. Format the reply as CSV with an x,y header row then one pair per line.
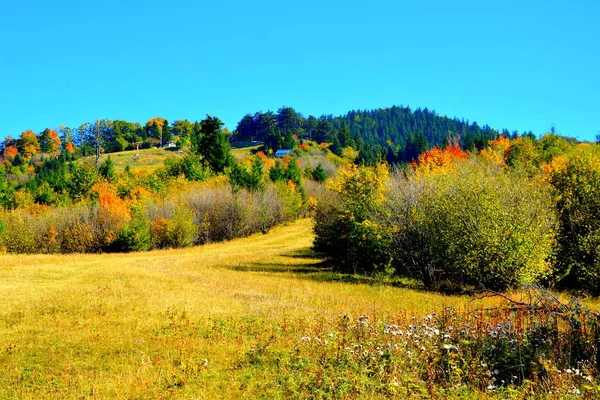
x,y
281,153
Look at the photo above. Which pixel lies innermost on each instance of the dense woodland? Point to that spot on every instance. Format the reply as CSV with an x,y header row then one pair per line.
x,y
395,134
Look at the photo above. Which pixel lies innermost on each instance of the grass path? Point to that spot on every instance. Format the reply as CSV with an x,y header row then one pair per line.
x,y
172,324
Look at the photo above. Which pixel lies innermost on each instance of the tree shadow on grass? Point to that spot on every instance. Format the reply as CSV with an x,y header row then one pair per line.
x,y
321,270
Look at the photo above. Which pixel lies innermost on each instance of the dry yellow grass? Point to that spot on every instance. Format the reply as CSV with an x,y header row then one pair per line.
x,y
147,161
150,159
172,324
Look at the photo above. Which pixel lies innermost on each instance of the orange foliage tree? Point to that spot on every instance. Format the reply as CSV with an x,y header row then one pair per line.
x,y
28,144
69,147
11,151
438,158
49,141
496,151
112,213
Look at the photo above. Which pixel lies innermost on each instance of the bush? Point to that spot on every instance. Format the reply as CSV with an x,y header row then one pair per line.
x,y
172,225
473,225
77,233
23,232
189,166
124,218
344,222
575,179
135,236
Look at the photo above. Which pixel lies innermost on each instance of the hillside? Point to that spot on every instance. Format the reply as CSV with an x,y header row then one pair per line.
x,y
398,134
144,160
147,160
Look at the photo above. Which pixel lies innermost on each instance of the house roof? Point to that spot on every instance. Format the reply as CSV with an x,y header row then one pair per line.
x,y
282,152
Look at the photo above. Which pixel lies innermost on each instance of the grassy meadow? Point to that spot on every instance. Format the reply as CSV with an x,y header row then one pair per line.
x,y
147,161
150,159
225,320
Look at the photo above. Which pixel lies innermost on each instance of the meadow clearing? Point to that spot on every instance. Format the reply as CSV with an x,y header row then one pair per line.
x,y
251,318
177,323
147,160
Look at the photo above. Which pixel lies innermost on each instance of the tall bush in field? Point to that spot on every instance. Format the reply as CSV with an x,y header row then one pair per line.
x,y
575,179
344,226
473,223
112,214
135,236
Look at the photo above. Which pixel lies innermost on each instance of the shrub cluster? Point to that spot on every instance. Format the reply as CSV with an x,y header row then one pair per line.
x,y
518,211
474,225
111,223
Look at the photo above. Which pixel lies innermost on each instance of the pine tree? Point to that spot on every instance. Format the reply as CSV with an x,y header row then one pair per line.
x,y
214,146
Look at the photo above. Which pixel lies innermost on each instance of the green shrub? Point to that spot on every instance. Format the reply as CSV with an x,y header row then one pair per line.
x,y
253,179
23,232
135,236
184,231
473,225
345,228
319,174
81,179
107,169
575,179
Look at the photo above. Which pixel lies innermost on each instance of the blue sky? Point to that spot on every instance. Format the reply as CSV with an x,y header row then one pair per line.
x,y
521,65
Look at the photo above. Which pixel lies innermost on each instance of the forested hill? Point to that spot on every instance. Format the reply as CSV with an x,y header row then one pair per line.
x,y
396,133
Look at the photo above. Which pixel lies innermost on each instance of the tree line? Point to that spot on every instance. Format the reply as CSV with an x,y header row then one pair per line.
x,y
517,211
396,134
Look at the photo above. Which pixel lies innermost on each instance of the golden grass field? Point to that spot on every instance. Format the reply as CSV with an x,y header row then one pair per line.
x,y
150,159
175,323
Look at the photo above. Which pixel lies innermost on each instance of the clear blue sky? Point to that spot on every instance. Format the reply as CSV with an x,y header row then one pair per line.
x,y
511,64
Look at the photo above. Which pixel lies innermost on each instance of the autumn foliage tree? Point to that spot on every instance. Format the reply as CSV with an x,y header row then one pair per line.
x,y
112,214
49,141
28,144
439,158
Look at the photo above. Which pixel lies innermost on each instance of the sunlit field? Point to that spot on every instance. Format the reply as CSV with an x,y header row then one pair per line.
x,y
205,322
147,160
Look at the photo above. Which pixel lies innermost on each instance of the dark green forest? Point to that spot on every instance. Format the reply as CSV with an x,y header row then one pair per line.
x,y
394,134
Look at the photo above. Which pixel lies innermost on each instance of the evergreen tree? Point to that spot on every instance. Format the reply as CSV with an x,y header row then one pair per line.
x,y
214,146
319,174
107,169
288,120
246,129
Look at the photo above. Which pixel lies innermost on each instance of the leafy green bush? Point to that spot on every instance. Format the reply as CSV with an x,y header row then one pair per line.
x,y
135,236
345,229
173,227
23,233
184,231
189,166
575,179
473,225
253,180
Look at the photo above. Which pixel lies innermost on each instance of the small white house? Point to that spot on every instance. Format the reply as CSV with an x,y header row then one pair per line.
x,y
282,152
